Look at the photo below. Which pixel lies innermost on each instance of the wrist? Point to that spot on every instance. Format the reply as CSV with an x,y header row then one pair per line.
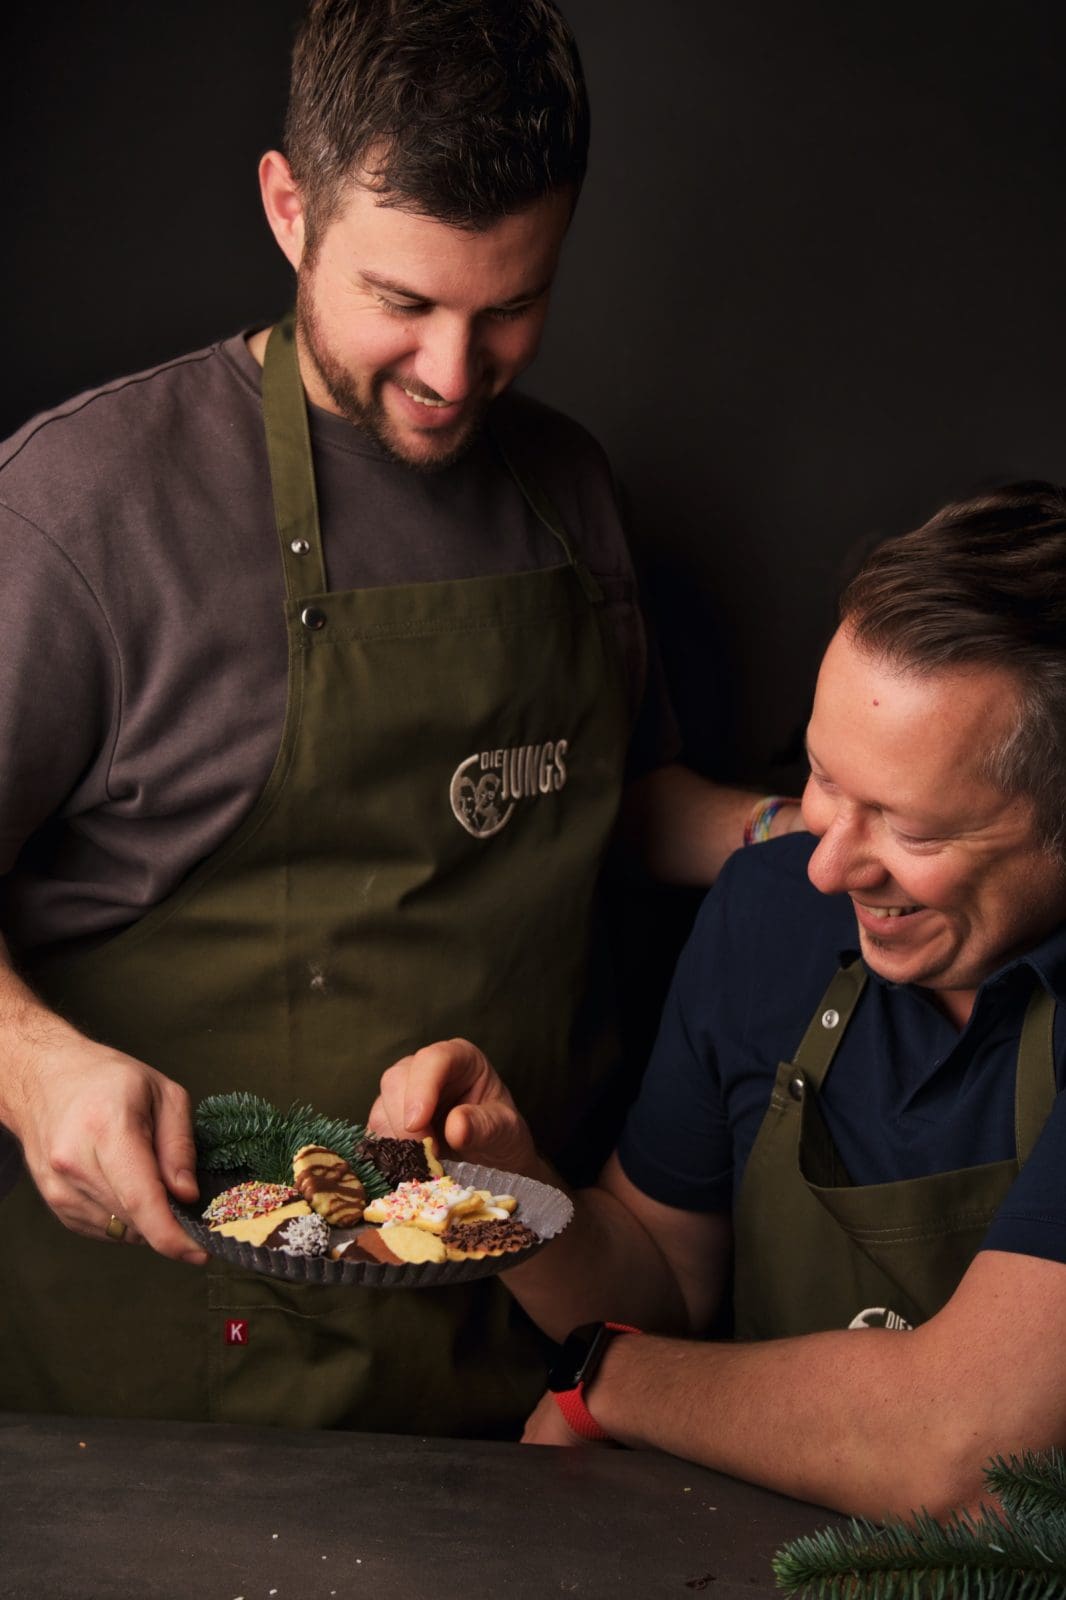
x,y
771,816
576,1369
34,1041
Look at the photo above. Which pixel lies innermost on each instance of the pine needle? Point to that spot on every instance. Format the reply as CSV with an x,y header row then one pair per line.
x,y
1030,1485
964,1557
241,1132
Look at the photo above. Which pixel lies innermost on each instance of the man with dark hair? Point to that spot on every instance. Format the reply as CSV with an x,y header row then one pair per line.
x,y
304,592
507,122
873,1137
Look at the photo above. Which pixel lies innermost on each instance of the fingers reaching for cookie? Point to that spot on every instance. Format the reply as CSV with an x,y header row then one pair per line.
x,y
452,1089
491,1134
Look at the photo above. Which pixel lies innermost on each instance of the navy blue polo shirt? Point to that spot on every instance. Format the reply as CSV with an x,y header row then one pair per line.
x,y
907,1094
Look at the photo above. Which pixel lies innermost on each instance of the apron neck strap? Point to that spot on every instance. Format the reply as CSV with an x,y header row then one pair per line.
x,y
1034,1084
292,474
509,449
827,1027
1035,1087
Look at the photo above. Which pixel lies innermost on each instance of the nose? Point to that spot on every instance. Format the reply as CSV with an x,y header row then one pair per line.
x,y
844,859
447,361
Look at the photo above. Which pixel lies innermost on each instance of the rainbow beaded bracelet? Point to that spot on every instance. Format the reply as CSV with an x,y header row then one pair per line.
x,y
757,828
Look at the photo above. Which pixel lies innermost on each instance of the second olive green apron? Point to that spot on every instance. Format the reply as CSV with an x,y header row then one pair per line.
x,y
421,864
815,1251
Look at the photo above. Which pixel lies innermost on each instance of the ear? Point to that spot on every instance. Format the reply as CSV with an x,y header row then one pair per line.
x,y
283,205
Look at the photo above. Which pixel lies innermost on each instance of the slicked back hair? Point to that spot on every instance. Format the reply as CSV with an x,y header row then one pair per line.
x,y
461,110
983,583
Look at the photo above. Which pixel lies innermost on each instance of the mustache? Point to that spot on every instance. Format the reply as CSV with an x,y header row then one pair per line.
x,y
413,386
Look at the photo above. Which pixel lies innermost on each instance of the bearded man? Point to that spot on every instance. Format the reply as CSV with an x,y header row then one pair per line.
x,y
300,592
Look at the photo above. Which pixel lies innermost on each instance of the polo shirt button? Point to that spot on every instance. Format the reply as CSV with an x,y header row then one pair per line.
x,y
796,1086
313,618
830,1018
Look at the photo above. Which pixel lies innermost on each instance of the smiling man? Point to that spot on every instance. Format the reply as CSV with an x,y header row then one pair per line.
x,y
854,1103
344,678
410,329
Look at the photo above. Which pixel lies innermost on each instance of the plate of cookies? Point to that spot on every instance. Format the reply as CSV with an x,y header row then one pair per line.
x,y
311,1199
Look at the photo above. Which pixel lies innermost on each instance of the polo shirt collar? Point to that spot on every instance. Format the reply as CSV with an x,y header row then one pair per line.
x,y
1047,960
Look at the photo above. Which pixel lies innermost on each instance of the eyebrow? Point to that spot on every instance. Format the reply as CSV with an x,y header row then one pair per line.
x,y
376,281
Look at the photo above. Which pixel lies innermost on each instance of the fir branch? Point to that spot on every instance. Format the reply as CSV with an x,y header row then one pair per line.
x,y
1029,1486
965,1557
242,1132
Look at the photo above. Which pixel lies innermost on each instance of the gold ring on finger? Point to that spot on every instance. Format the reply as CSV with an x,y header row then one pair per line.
x,y
116,1228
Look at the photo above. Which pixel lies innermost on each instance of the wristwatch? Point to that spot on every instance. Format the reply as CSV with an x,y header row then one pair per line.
x,y
573,1370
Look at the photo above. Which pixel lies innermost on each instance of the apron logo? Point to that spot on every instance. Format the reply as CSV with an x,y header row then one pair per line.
x,y
880,1317
236,1331
486,787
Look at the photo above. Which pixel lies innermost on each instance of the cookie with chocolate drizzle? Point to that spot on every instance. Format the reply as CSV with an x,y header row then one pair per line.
x,y
329,1185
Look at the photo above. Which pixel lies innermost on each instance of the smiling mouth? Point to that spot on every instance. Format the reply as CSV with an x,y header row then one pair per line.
x,y
884,913
425,399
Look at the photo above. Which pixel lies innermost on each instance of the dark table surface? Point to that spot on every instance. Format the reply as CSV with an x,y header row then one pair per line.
x,y
99,1510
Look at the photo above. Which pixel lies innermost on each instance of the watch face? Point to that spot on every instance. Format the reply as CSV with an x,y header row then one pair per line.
x,y
578,1358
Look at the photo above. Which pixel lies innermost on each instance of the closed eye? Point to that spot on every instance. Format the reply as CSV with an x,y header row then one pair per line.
x,y
916,841
508,313
402,308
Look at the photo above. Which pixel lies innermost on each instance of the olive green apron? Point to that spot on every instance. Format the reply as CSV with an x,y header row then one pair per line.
x,y
815,1251
421,864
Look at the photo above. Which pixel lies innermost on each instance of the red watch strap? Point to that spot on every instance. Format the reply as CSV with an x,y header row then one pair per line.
x,y
571,1402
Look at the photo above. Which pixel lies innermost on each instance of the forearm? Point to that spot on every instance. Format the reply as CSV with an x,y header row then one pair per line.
x,y
29,1030
859,1421
682,827
604,1267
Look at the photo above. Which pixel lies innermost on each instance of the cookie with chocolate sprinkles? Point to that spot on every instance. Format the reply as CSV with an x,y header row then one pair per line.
x,y
398,1160
473,1241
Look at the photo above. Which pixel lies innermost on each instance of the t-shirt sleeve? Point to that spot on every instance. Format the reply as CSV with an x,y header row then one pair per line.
x,y
676,1145
1032,1219
57,680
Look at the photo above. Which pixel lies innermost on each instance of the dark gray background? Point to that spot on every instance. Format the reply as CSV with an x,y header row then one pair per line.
x,y
814,288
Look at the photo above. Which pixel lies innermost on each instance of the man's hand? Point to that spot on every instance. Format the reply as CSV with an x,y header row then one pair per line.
x,y
452,1090
547,1425
105,1135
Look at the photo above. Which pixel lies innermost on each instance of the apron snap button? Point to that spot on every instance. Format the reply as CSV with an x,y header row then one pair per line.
x,y
830,1018
796,1087
299,547
312,617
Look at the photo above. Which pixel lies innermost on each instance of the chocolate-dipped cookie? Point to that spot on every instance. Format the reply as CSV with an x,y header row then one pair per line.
x,y
256,1230
366,1244
300,1236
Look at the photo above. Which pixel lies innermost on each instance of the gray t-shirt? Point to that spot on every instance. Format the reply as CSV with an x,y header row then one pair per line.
x,y
143,675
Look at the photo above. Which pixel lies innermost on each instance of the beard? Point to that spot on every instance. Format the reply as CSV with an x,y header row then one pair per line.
x,y
368,412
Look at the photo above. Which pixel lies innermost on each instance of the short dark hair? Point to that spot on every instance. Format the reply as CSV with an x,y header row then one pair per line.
x,y
460,110
983,583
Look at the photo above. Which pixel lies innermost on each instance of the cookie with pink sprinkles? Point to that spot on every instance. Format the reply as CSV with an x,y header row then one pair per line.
x,y
250,1199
